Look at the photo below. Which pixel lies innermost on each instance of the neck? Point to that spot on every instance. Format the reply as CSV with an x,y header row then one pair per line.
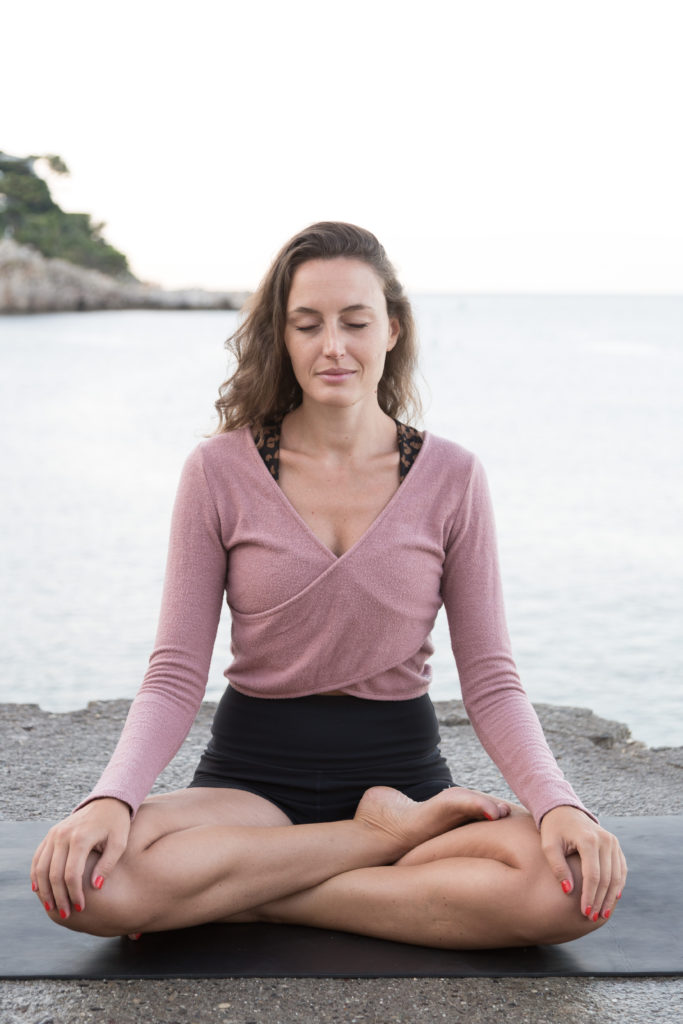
x,y
349,432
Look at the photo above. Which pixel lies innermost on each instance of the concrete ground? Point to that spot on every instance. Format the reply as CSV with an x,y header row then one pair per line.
x,y
51,760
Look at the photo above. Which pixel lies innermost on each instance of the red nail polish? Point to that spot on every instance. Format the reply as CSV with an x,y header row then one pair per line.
x,y
595,916
63,915
99,882
78,907
607,914
619,895
566,885
588,911
34,887
46,905
488,816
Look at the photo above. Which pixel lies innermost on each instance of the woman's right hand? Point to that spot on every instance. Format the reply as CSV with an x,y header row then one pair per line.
x,y
59,863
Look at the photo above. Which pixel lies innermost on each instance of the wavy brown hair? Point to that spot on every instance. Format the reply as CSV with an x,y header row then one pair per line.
x,y
263,387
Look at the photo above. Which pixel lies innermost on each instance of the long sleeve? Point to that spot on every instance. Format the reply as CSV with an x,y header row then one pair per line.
x,y
496,702
174,684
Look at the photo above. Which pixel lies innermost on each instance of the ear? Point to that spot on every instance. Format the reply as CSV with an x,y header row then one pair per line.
x,y
394,331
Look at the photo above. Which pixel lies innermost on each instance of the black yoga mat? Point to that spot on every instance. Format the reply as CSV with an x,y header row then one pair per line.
x,y
644,936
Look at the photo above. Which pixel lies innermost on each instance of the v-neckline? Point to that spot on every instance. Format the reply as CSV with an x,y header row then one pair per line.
x,y
302,522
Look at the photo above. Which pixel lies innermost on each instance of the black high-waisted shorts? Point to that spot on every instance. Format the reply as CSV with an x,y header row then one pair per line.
x,y
314,757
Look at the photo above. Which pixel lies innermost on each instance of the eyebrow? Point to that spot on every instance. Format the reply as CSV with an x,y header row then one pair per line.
x,y
347,309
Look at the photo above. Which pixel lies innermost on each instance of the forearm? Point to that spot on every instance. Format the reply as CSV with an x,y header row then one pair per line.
x,y
496,702
510,732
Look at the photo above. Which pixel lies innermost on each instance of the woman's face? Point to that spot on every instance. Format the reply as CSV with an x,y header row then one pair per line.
x,y
338,331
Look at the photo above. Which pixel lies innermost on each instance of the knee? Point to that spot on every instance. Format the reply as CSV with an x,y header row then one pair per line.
x,y
562,919
99,917
107,912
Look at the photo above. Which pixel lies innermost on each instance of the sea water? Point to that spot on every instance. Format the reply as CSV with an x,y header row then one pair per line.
x,y
574,404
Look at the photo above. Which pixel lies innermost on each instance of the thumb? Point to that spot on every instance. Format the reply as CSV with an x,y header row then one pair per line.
x,y
559,865
105,864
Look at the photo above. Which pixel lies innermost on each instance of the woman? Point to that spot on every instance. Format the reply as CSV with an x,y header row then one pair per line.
x,y
336,532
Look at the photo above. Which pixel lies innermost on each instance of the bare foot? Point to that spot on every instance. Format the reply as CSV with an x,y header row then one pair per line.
x,y
410,823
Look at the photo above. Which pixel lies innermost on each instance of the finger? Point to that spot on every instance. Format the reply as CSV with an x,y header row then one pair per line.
x,y
619,872
105,864
34,865
606,860
559,865
42,873
74,870
589,852
59,891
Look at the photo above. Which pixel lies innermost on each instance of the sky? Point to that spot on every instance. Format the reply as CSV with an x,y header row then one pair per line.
x,y
498,146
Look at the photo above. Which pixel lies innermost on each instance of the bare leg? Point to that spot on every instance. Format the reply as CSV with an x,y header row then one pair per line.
x,y
483,885
177,873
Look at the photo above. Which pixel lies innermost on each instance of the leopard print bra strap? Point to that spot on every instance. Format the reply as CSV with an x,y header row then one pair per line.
x,y
269,448
409,444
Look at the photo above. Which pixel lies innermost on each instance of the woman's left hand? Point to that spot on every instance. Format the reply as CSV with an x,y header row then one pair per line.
x,y
566,830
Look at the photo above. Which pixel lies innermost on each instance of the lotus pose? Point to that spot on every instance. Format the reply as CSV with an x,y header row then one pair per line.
x,y
335,531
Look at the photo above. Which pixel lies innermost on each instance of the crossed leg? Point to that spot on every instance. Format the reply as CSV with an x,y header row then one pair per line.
x,y
480,886
428,873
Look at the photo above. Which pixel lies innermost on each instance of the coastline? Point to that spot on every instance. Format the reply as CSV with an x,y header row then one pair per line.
x,y
32,283
53,758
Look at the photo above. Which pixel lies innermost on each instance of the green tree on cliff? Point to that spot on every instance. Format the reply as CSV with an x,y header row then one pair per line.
x,y
30,216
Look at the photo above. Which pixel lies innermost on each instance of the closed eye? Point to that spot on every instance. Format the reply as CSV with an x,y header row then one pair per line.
x,y
307,328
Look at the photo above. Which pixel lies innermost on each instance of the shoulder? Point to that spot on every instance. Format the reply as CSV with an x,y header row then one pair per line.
x,y
456,482
217,464
231,443
446,458
222,451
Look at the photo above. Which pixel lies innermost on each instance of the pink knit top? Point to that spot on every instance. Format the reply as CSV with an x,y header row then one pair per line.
x,y
305,621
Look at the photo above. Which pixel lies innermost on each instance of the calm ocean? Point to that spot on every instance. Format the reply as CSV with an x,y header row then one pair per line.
x,y
573,403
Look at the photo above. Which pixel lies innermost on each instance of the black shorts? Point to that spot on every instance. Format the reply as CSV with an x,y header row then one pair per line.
x,y
314,757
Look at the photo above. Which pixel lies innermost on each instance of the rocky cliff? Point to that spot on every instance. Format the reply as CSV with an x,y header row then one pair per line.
x,y
31,283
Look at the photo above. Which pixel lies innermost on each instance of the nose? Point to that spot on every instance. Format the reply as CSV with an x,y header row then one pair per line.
x,y
333,343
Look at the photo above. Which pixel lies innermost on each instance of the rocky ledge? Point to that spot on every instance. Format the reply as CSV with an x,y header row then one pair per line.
x,y
31,283
52,759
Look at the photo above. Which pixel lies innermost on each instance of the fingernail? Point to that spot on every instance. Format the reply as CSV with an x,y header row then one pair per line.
x,y
99,882
78,907
607,915
619,895
595,916
588,911
566,885
488,816
34,887
135,937
46,905
63,914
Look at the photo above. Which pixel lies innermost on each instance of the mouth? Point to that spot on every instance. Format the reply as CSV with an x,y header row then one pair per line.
x,y
335,372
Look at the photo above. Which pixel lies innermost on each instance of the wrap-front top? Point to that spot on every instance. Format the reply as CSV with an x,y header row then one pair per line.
x,y
305,621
